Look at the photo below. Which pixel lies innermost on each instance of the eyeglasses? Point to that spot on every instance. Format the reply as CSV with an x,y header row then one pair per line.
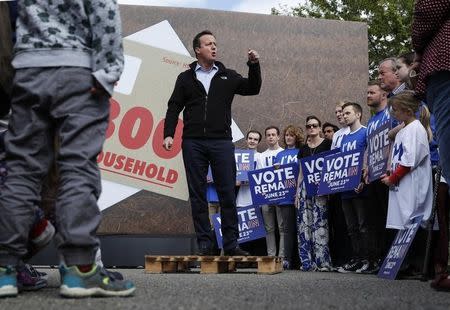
x,y
311,126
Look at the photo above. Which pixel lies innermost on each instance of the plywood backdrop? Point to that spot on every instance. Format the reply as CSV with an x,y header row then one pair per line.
x,y
6,71
307,66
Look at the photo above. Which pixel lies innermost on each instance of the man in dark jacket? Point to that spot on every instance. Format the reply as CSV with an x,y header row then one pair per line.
x,y
206,92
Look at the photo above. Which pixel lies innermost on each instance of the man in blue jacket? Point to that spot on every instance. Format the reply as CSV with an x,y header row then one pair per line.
x,y
205,93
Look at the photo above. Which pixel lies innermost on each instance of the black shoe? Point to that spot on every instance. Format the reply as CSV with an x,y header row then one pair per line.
x,y
409,273
372,269
351,266
237,251
208,252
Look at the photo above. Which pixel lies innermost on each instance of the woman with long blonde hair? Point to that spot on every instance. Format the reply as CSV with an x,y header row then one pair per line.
x,y
410,180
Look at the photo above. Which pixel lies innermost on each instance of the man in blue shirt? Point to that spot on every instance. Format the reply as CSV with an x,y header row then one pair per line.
x,y
354,203
378,193
356,138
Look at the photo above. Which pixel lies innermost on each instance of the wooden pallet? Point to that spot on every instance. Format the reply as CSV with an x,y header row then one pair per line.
x,y
211,264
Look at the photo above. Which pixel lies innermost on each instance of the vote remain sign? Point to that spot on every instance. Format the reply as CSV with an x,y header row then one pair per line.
x,y
273,185
133,152
250,224
378,152
398,250
312,169
341,172
244,163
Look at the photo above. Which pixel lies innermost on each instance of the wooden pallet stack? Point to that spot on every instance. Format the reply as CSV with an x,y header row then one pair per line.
x,y
211,264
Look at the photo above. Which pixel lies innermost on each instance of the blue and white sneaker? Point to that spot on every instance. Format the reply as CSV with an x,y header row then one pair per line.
x,y
96,282
8,282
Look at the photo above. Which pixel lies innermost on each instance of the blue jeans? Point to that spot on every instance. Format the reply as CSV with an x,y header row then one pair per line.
x,y
198,154
438,99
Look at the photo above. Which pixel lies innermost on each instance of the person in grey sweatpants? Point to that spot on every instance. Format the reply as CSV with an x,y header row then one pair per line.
x,y
49,100
67,58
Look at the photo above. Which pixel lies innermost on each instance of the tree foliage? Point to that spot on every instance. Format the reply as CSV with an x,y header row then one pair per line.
x,y
388,22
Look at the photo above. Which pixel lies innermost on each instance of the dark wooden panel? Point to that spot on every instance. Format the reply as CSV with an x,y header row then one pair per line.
x,y
5,48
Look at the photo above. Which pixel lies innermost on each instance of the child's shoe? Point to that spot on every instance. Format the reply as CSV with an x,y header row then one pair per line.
x,y
29,279
8,282
96,282
286,264
36,273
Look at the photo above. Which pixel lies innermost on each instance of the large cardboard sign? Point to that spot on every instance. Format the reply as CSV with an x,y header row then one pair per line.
x,y
378,151
341,173
160,35
273,185
250,223
398,250
133,153
312,169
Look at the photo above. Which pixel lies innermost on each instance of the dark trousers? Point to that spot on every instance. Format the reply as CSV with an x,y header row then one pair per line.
x,y
438,99
340,246
378,198
441,246
198,154
357,217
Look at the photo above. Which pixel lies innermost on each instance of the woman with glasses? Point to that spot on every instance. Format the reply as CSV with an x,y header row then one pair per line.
x,y
312,215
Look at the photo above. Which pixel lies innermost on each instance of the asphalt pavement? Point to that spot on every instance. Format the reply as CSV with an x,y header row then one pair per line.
x,y
246,290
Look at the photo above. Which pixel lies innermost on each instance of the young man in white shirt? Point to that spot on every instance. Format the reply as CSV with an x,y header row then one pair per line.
x,y
338,135
339,242
272,135
244,198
